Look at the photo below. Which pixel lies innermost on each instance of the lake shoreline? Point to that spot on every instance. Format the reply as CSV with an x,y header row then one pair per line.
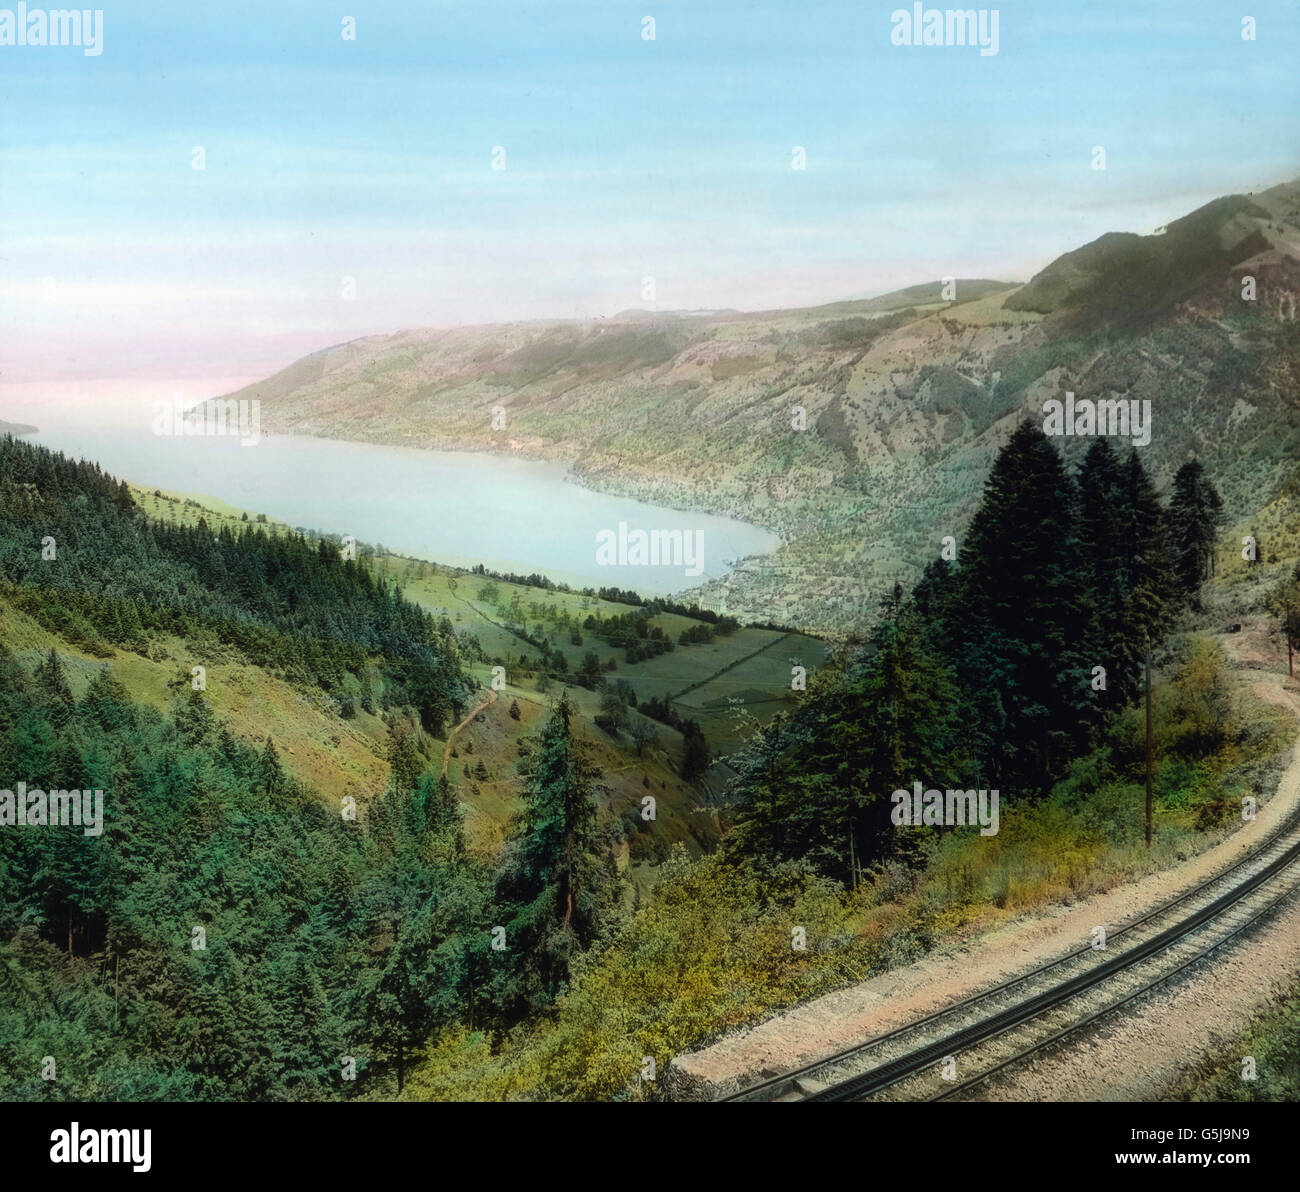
x,y
530,452
502,510
592,483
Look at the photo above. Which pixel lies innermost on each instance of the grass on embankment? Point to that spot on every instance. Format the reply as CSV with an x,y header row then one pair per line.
x,y
1273,1043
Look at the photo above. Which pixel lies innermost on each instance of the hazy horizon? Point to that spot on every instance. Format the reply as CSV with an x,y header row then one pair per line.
x,y
260,357
366,166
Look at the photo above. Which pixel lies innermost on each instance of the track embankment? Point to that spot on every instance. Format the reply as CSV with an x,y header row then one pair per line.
x,y
1133,1055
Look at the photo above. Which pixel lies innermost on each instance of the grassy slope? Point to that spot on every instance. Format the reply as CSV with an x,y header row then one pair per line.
x,y
341,757
753,665
1274,1043
337,757
348,757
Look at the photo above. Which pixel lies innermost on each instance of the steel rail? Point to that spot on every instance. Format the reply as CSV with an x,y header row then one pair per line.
x,y
1043,1044
753,1091
895,1070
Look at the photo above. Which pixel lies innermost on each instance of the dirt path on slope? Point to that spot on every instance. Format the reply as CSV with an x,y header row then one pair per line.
x,y
486,701
851,1016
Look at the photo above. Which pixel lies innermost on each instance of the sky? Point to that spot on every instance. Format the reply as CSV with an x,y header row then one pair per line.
x,y
349,187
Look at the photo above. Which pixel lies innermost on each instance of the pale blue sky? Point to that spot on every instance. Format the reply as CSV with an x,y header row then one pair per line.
x,y
371,159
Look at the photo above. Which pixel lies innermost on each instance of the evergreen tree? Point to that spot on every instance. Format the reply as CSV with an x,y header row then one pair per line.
x,y
1195,513
404,760
194,718
818,786
1021,611
53,692
1125,569
1149,588
1284,602
695,751
270,771
553,877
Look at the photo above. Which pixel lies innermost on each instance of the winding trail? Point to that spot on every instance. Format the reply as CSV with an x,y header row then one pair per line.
x,y
485,702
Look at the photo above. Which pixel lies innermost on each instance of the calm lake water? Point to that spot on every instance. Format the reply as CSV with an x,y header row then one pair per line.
x,y
459,508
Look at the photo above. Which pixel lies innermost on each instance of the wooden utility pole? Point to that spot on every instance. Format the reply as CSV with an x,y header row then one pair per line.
x,y
1290,651
1150,744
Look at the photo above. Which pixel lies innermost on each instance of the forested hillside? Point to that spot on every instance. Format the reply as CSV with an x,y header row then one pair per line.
x,y
229,937
995,672
232,934
77,555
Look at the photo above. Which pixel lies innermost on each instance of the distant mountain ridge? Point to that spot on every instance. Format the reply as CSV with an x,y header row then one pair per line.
x,y
1121,274
906,397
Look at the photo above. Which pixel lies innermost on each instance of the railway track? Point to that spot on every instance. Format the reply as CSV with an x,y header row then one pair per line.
x,y
963,1045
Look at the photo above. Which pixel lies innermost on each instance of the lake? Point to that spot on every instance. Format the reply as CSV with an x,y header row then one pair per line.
x,y
459,508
